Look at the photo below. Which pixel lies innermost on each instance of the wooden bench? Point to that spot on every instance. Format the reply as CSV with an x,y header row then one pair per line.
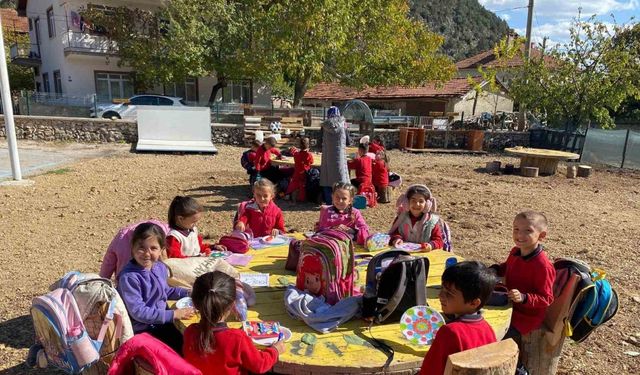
x,y
499,358
262,123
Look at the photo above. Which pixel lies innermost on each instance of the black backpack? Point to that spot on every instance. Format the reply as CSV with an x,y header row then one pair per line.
x,y
393,289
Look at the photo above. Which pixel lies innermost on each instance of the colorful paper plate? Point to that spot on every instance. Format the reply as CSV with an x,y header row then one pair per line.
x,y
183,303
271,240
409,246
286,333
419,324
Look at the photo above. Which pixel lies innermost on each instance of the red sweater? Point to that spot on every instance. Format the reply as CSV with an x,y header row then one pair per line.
x,y
464,333
234,353
363,166
303,160
375,147
533,276
263,157
262,222
174,247
380,177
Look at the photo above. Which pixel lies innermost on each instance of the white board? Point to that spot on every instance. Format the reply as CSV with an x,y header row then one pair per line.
x,y
168,128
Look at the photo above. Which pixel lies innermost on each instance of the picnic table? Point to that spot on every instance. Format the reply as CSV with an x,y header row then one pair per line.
x,y
347,349
317,159
545,160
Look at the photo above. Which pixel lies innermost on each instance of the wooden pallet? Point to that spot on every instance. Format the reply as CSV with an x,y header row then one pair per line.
x,y
444,151
253,123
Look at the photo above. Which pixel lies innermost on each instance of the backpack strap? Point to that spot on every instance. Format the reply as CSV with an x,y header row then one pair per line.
x,y
421,290
110,316
383,347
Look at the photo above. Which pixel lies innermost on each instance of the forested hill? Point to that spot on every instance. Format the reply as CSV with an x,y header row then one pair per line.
x,y
467,26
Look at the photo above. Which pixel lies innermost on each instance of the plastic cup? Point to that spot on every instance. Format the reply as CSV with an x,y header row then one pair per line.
x,y
450,262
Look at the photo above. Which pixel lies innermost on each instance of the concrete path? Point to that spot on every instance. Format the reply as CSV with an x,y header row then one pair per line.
x,y
37,157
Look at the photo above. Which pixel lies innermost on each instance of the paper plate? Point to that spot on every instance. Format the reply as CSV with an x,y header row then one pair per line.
x,y
409,246
277,240
286,333
185,302
419,324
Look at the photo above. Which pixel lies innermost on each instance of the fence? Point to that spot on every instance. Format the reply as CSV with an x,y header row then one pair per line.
x,y
54,104
555,139
618,148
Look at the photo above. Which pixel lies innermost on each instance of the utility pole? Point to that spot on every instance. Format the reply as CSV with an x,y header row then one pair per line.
x,y
8,112
527,53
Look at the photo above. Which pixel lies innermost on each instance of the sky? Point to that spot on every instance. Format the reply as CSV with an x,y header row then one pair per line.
x,y
553,18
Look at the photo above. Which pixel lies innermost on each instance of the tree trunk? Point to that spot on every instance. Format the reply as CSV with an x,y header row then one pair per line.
x,y
222,82
299,90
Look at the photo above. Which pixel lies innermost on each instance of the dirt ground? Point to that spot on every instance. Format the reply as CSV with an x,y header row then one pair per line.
x,y
66,220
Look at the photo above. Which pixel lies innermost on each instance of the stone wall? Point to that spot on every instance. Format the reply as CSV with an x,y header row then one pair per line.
x,y
101,130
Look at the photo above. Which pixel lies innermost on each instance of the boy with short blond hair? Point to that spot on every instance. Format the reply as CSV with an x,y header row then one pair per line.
x,y
466,287
528,274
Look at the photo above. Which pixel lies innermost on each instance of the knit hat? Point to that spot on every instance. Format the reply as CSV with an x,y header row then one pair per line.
x,y
333,112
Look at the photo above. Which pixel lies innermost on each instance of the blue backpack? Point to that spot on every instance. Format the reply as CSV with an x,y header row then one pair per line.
x,y
595,302
246,164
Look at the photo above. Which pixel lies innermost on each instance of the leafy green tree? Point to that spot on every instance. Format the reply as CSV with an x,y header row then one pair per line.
x,y
356,43
20,77
579,82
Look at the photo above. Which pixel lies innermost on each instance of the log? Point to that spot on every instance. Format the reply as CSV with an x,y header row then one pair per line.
x,y
493,166
540,356
500,358
584,171
571,171
529,171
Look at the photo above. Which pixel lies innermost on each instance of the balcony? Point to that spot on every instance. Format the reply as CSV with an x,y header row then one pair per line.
x,y
25,54
80,43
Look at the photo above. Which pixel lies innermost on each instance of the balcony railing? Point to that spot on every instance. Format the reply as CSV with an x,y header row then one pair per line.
x,y
26,54
75,42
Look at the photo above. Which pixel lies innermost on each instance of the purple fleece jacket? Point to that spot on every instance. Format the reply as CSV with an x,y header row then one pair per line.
x,y
145,293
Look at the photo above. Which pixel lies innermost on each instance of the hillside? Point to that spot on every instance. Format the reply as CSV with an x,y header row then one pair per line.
x,y
467,26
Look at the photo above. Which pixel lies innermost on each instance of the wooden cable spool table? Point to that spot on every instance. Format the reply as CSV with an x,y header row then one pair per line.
x,y
347,349
317,159
545,160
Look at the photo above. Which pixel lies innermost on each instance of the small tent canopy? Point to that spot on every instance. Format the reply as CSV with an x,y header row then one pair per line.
x,y
358,111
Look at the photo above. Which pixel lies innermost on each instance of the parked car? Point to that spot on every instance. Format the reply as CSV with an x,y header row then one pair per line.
x,y
127,109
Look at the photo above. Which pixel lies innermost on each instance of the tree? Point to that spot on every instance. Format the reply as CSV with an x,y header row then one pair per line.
x,y
579,82
356,43
184,38
20,77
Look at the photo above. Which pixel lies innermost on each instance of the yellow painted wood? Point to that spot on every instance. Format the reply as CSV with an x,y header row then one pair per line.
x,y
333,353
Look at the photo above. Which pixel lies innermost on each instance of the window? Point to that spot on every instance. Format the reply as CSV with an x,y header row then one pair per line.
x,y
111,86
30,24
51,23
237,92
57,82
151,100
45,82
187,90
36,26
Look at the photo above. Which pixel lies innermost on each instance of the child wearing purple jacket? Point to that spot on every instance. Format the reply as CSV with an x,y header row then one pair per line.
x,y
342,216
142,284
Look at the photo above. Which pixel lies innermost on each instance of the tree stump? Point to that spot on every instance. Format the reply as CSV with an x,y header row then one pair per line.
x,y
493,166
529,171
571,171
500,358
540,356
584,171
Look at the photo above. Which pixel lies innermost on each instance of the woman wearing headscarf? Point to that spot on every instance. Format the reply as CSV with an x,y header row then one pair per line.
x,y
334,157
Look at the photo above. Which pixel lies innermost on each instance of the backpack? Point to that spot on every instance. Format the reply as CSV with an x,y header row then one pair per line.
x,y
593,300
245,163
446,235
312,187
236,241
395,282
369,192
329,255
295,246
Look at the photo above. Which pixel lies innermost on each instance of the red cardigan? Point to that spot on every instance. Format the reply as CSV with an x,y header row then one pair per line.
x,y
263,157
262,222
363,166
234,353
375,147
533,276
380,177
464,333
174,247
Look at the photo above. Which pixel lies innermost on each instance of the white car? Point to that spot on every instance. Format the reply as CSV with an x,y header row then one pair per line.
x,y
127,109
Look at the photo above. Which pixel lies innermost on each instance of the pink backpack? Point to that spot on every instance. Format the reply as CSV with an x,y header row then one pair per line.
x,y
61,332
236,241
327,261
369,192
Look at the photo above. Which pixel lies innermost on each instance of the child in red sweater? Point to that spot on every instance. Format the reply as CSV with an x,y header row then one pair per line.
x,y
466,287
260,215
183,239
417,221
376,145
303,159
263,160
363,166
528,274
380,176
210,345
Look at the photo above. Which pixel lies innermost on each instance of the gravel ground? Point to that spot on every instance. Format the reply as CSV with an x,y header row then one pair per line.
x,y
67,219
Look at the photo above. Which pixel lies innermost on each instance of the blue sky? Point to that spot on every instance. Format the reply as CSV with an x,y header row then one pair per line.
x,y
552,18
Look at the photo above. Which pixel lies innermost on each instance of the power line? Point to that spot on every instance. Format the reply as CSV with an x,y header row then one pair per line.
x,y
509,9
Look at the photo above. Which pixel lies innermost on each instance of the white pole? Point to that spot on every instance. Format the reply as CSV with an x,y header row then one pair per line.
x,y
8,112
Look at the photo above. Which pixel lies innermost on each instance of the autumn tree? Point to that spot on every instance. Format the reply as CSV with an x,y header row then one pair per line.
x,y
580,81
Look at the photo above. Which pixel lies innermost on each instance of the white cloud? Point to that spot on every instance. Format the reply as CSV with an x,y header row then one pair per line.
x,y
505,17
566,8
